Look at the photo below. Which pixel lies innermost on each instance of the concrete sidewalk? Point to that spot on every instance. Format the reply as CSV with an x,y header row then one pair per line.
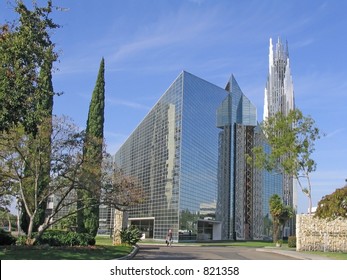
x,y
293,254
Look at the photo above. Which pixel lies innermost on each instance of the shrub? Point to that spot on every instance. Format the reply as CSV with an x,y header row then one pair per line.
x,y
21,240
333,205
6,238
130,235
66,238
292,241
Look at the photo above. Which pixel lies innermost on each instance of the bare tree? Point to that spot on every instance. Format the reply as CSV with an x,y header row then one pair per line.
x,y
119,192
23,160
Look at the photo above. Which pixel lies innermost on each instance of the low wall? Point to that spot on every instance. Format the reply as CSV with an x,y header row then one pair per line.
x,y
313,234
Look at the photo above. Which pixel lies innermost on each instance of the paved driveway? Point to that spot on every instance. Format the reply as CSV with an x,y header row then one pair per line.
x,y
179,252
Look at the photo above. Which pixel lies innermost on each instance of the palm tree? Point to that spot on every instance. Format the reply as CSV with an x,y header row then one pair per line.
x,y
276,209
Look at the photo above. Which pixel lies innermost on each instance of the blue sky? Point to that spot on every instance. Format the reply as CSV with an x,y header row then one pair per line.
x,y
147,43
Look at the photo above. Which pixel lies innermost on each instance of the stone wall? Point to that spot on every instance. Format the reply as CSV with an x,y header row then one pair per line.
x,y
313,234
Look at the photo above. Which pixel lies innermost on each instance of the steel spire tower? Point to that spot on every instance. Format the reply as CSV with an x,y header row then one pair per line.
x,y
279,97
279,92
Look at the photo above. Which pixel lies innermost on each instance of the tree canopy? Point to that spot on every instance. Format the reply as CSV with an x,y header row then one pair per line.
x,y
292,140
88,221
280,214
44,158
334,205
24,162
25,48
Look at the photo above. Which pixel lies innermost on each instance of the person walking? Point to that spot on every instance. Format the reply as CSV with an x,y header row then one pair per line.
x,y
169,238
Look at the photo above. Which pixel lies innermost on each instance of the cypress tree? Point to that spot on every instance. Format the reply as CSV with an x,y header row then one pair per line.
x,y
88,220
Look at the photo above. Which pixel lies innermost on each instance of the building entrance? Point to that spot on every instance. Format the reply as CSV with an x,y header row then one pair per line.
x,y
209,230
144,225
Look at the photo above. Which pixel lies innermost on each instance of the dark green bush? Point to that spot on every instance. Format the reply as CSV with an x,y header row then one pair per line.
x,y
6,238
66,238
21,240
130,235
292,241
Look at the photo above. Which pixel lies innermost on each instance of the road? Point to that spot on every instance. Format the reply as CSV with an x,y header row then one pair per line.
x,y
162,252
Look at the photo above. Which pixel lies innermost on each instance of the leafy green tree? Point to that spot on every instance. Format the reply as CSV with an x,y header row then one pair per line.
x,y
292,139
88,221
333,205
26,91
26,49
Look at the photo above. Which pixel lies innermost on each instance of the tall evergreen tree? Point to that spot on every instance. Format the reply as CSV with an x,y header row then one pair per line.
x,y
88,220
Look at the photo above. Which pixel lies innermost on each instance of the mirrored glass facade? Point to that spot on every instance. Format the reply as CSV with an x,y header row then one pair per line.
x,y
188,153
173,154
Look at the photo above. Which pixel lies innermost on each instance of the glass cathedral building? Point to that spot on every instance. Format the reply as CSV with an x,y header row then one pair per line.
x,y
189,155
279,97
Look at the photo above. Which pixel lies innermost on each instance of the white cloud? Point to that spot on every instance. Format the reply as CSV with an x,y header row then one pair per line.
x,y
300,44
175,27
335,132
126,103
199,2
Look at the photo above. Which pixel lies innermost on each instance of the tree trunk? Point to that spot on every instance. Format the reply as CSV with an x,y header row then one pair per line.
x,y
120,223
275,232
309,203
118,226
30,241
9,222
18,222
283,227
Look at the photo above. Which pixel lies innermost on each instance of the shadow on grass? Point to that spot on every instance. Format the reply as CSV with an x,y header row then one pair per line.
x,y
63,253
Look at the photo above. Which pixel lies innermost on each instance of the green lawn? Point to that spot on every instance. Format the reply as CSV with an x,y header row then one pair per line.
x,y
331,255
104,250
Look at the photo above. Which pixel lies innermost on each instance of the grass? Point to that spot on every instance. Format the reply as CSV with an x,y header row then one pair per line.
x,y
103,250
103,240
331,255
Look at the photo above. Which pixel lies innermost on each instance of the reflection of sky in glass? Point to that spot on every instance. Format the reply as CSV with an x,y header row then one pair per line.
x,y
199,154
174,153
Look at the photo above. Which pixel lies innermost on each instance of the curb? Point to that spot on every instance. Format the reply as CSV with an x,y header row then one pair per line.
x,y
132,253
288,254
